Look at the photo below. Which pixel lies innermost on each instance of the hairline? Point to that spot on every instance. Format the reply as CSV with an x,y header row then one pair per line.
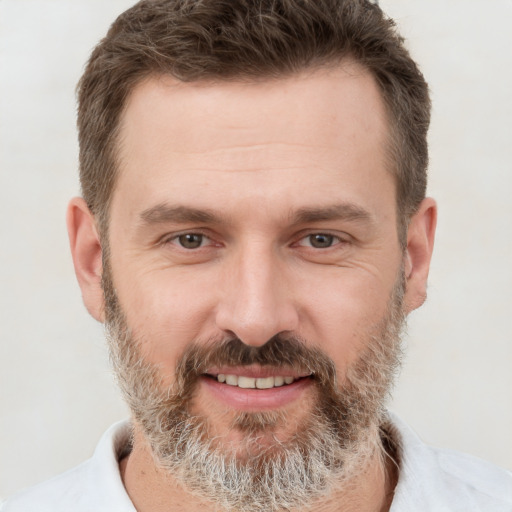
x,y
391,147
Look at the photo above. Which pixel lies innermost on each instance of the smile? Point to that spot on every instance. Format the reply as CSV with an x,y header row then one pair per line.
x,y
254,388
245,382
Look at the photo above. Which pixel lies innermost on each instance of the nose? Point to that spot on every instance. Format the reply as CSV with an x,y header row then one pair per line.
x,y
257,301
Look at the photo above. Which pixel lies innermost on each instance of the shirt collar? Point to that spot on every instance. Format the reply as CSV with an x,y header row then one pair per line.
x,y
103,473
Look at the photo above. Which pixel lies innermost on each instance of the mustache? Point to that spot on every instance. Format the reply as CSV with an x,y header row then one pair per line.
x,y
279,352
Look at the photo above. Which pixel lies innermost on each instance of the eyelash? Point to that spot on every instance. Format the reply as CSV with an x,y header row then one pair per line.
x,y
334,240
175,239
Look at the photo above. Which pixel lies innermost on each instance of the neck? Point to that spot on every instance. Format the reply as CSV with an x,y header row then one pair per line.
x,y
151,489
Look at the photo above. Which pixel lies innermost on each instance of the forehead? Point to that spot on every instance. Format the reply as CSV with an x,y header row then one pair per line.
x,y
315,100
271,138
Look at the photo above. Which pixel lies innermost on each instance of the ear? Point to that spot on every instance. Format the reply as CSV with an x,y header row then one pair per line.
x,y
420,243
85,246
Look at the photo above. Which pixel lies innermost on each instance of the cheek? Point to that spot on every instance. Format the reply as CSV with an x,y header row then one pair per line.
x,y
166,310
343,314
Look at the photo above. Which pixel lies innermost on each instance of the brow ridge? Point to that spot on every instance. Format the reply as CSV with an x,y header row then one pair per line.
x,y
343,211
163,213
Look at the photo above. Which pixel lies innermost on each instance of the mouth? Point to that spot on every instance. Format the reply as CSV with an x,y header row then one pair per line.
x,y
247,382
256,388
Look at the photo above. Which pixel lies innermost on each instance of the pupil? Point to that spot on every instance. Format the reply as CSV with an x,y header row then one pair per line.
x,y
191,241
321,241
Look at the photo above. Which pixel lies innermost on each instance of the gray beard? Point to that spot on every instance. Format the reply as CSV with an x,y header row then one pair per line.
x,y
262,473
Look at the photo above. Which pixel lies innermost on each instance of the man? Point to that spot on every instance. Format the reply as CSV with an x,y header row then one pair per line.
x,y
253,232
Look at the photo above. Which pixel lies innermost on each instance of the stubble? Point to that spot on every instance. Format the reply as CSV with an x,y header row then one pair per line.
x,y
263,472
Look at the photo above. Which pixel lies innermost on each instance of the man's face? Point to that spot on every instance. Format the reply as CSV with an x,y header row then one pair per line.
x,y
249,212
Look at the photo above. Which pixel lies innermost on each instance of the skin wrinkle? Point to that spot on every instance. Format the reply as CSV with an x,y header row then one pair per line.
x,y
218,147
264,145
261,283
345,263
368,380
254,120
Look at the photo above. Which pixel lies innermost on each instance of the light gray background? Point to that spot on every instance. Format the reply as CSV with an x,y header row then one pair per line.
x,y
56,391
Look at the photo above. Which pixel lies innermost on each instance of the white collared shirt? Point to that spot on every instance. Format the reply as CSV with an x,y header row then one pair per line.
x,y
430,480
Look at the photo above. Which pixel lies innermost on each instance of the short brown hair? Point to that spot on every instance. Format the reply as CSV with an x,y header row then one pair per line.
x,y
196,40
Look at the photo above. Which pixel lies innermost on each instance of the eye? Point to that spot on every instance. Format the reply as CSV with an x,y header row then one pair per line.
x,y
191,240
319,241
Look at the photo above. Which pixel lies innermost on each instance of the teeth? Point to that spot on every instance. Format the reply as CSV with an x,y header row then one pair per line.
x,y
278,381
246,382
254,383
267,383
232,380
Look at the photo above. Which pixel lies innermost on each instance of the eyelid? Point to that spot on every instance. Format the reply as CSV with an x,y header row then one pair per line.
x,y
340,238
173,237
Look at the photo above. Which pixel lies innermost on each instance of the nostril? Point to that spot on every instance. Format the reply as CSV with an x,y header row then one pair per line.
x,y
255,313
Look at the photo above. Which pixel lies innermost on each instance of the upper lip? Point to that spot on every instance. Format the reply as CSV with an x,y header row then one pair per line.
x,y
257,372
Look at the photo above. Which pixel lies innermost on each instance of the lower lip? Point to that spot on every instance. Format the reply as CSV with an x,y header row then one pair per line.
x,y
257,399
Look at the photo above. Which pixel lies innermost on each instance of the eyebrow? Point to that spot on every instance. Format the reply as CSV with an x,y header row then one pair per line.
x,y
162,213
344,211
165,213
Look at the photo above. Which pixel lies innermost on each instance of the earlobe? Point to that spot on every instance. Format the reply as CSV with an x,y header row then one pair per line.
x,y
86,251
420,244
